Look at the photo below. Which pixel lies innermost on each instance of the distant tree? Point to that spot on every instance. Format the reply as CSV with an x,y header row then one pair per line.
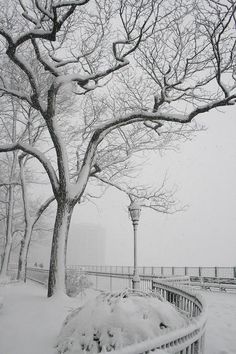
x,y
30,218
136,67
16,211
10,182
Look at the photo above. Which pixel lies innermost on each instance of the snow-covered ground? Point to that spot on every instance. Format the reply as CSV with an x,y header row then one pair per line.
x,y
221,325
30,323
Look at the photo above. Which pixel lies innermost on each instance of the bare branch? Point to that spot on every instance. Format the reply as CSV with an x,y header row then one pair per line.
x,y
39,156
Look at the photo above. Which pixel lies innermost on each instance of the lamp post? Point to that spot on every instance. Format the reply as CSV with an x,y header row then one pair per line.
x,y
134,210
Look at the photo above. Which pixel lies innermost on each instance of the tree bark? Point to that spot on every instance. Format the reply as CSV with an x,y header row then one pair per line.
x,y
10,209
24,248
57,271
8,243
30,222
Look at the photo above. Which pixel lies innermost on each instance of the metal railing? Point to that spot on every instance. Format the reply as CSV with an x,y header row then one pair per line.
x,y
147,274
38,275
217,278
211,272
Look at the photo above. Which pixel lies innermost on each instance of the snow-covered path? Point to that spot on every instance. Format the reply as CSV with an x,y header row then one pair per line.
x,y
221,325
30,323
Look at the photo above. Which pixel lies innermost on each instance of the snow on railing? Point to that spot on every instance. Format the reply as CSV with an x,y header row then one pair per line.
x,y
38,275
205,272
211,278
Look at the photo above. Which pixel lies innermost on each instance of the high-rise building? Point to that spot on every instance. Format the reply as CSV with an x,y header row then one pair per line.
x,y
86,244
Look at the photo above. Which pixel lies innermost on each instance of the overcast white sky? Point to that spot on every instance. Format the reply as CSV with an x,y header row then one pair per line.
x,y
205,235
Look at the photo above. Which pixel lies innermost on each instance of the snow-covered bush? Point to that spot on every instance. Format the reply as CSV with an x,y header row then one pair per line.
x,y
76,282
113,321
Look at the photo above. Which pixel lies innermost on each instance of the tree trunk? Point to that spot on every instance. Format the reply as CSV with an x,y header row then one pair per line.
x,y
57,271
24,248
9,235
8,243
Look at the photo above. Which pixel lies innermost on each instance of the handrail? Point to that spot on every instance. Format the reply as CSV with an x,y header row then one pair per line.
x,y
210,282
227,273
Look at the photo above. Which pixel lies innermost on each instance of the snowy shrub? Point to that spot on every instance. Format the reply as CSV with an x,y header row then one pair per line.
x,y
76,282
113,321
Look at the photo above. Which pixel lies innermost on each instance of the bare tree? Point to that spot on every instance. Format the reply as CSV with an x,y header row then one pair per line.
x,y
30,222
11,184
146,64
18,123
33,136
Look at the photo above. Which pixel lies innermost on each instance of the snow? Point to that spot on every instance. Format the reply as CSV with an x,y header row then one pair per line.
x,y
114,322
221,324
30,323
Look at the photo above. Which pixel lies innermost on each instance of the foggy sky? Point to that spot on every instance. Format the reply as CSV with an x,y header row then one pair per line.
x,y
204,170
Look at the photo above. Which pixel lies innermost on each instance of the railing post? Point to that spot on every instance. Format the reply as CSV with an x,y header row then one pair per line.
x,y
152,271
200,271
216,272
162,270
173,270
110,282
185,270
234,272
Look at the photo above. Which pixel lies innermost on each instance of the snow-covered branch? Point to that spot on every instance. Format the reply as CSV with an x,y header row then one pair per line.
x,y
39,156
18,94
144,116
160,200
42,208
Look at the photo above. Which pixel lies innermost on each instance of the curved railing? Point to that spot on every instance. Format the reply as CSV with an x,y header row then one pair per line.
x,y
189,339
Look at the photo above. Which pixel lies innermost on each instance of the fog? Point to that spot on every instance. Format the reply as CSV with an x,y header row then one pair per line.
x,y
204,171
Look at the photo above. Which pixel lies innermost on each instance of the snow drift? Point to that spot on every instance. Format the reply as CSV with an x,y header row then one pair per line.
x,y
113,321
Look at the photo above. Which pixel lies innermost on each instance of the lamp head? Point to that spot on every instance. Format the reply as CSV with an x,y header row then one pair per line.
x,y
134,211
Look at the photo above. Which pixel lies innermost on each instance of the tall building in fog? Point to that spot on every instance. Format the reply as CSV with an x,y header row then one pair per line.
x,y
86,244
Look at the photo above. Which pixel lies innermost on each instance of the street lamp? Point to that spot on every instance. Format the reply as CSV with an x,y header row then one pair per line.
x,y
135,210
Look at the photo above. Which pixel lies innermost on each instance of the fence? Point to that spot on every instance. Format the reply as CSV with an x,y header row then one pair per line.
x,y
225,280
211,272
114,278
37,274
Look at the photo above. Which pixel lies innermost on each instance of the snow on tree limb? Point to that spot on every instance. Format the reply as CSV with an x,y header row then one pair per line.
x,y
43,207
39,156
143,116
